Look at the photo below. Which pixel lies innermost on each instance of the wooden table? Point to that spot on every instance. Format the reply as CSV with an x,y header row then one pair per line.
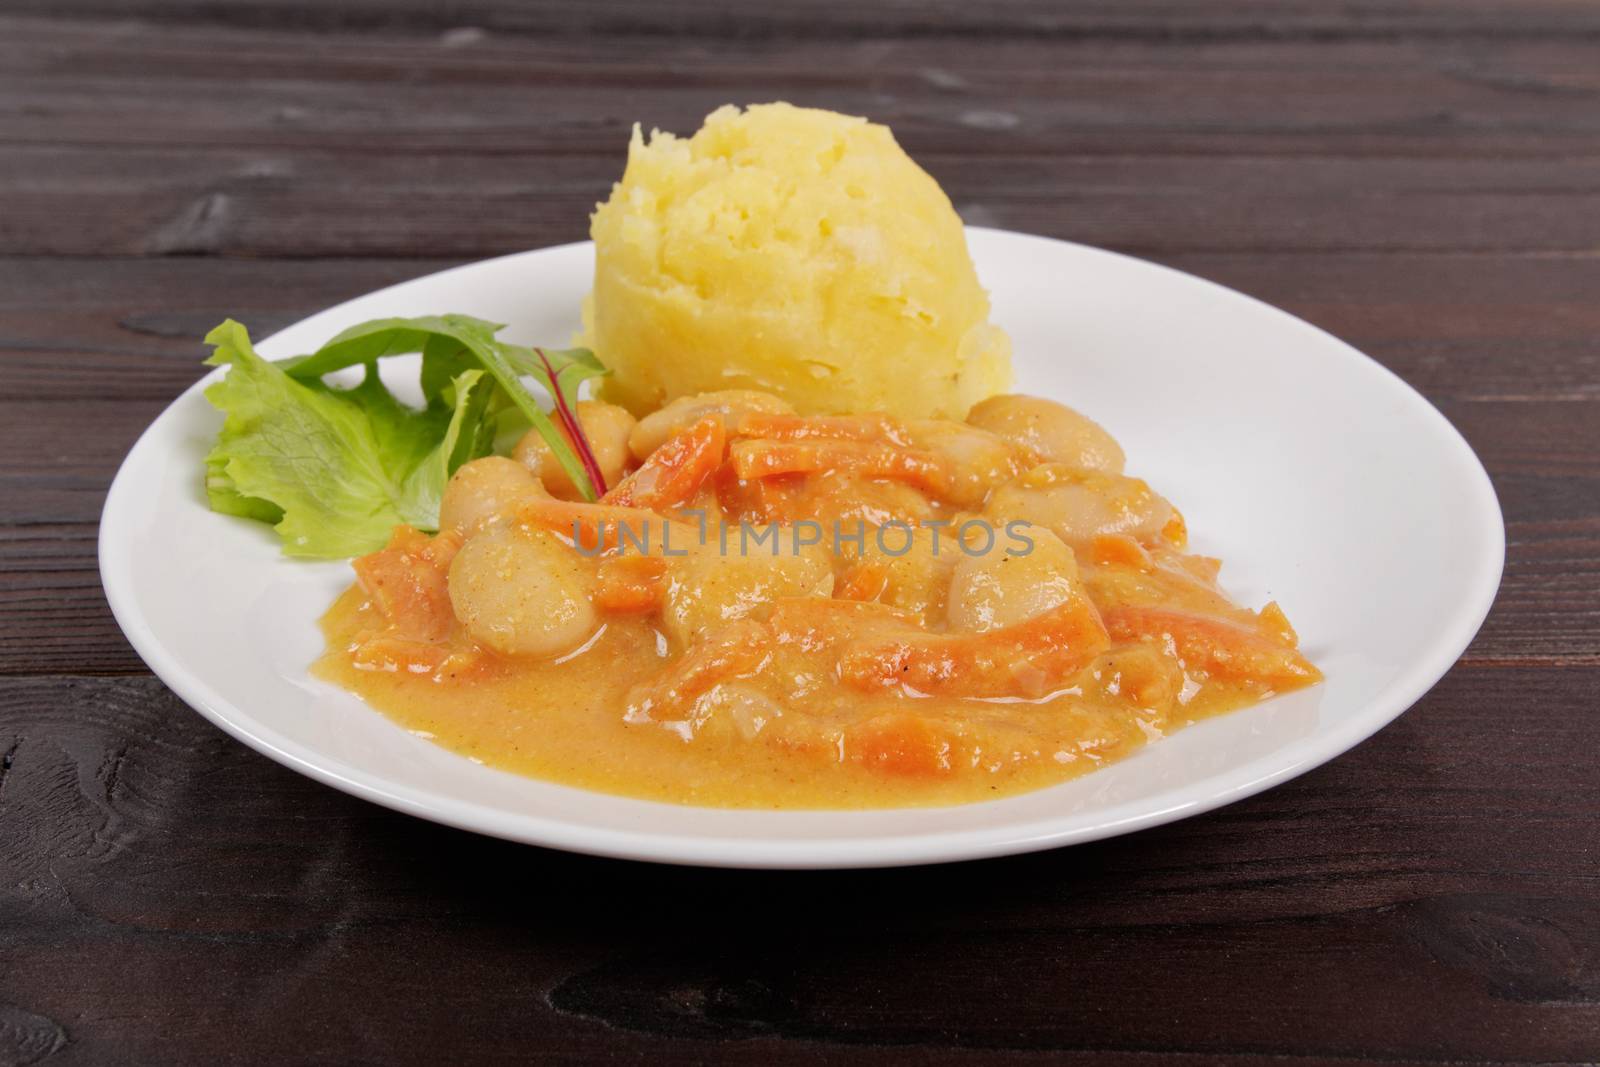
x,y
1422,179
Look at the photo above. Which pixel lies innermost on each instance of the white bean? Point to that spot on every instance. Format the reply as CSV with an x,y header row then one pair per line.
x,y
1080,505
709,588
1052,431
919,576
606,427
483,491
654,429
522,592
999,589
978,459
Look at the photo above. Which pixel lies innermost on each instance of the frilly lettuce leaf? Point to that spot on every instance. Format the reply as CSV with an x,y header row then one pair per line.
x,y
335,469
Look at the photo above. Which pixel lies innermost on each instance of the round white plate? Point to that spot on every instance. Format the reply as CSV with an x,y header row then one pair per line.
x,y
1321,479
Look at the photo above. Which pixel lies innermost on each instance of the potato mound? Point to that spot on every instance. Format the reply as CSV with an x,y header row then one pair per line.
x,y
792,250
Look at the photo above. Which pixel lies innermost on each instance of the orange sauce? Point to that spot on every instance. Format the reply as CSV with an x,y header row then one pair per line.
x,y
561,722
849,679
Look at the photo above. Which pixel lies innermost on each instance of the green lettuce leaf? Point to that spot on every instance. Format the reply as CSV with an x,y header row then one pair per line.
x,y
453,344
335,469
572,366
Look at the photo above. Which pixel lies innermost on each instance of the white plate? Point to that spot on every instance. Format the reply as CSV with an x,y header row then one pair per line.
x,y
1321,479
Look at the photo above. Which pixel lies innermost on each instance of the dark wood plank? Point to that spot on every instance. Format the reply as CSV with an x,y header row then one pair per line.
x,y
1386,906
1322,146
132,329
482,92
1105,20
295,201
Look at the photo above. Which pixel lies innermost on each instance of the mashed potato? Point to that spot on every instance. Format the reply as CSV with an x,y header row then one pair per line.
x,y
791,250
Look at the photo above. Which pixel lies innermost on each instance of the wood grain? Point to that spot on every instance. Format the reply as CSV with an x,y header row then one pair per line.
x,y
1420,178
1385,145
1315,921
1030,20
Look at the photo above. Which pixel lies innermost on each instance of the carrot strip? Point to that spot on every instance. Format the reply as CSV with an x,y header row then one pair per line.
x,y
900,744
1219,647
1027,659
879,429
764,459
406,581
631,585
600,527
674,473
737,649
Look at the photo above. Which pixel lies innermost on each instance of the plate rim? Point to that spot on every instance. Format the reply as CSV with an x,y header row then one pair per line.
x,y
888,850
